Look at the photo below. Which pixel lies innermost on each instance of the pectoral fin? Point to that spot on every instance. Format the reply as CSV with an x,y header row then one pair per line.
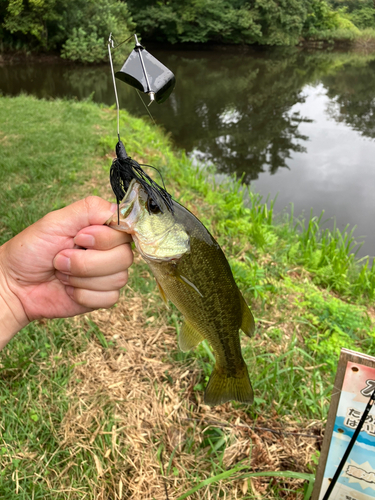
x,y
248,323
176,275
189,337
162,293
184,280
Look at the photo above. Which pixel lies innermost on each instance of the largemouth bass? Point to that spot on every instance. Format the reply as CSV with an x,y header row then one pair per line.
x,y
192,272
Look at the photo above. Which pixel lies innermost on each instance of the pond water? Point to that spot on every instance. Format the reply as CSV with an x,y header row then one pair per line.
x,y
295,124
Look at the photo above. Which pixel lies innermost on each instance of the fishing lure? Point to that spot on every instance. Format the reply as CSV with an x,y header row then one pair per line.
x,y
144,72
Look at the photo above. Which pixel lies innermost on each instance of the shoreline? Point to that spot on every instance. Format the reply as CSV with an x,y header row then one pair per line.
x,y
21,56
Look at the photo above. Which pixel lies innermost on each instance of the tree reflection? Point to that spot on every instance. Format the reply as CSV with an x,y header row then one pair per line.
x,y
237,110
353,94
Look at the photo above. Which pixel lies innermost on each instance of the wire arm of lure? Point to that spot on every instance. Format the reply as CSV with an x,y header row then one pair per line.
x,y
111,44
149,90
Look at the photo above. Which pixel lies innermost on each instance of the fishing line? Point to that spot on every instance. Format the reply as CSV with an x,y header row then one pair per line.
x,y
121,43
147,107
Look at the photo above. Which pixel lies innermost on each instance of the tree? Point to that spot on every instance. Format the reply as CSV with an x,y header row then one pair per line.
x,y
196,21
352,4
281,21
81,27
31,17
265,22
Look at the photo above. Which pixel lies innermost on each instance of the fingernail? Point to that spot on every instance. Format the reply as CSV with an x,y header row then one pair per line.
x,y
70,291
85,240
113,208
64,278
62,263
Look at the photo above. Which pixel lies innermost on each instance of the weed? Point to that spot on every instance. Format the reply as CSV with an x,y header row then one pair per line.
x,y
337,324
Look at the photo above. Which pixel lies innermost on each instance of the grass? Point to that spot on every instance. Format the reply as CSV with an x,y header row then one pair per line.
x,y
105,406
47,148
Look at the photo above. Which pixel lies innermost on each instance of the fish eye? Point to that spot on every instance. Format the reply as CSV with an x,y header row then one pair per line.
x,y
152,207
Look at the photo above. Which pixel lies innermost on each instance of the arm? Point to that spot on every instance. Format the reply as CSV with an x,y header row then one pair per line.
x,y
11,318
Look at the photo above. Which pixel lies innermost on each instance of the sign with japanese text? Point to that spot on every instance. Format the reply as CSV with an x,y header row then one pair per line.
x,y
357,480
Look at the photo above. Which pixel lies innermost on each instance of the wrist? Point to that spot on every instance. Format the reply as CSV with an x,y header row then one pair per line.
x,y
12,314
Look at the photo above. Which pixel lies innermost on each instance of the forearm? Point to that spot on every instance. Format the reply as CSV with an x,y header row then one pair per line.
x,y
9,325
12,317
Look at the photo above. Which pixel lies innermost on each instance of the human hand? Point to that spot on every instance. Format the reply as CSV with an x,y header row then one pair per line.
x,y
44,275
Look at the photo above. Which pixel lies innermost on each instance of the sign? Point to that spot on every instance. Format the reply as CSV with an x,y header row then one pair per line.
x,y
354,384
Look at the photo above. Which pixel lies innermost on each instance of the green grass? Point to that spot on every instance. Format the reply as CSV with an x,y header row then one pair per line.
x,y
34,375
309,295
48,149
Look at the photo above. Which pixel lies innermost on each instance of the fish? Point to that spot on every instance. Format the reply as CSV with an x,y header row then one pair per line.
x,y
192,271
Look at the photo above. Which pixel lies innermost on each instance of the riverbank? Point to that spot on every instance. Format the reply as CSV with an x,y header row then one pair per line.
x,y
360,42
83,35
106,404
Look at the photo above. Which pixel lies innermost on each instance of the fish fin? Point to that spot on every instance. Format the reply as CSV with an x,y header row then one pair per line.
x,y
222,388
162,293
189,337
248,323
187,282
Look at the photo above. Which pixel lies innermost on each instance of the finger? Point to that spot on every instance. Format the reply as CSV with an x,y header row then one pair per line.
x,y
101,238
93,299
100,283
91,263
71,219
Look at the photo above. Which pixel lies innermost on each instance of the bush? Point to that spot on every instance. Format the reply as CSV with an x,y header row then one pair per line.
x,y
84,47
325,24
94,21
196,21
366,39
363,18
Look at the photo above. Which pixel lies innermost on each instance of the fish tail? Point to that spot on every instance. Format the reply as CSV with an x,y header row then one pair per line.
x,y
223,387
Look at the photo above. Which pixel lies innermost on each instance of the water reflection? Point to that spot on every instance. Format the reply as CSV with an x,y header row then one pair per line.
x,y
234,109
353,97
295,115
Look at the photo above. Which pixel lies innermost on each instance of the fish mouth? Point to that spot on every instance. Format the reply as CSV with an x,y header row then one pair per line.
x,y
126,216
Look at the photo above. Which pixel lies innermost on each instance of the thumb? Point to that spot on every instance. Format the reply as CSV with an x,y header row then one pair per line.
x,y
89,211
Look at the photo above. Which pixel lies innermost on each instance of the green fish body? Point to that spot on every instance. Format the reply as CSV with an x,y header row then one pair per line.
x,y
192,272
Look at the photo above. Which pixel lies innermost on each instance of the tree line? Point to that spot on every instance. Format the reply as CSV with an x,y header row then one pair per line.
x,y
79,29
